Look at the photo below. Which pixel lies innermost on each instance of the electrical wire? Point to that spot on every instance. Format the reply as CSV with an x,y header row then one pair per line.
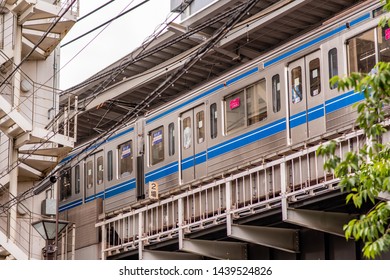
x,y
104,23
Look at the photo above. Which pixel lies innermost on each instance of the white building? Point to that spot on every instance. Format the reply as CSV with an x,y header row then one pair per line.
x,y
32,140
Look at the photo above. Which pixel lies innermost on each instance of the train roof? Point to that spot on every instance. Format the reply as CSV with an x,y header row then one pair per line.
x,y
182,58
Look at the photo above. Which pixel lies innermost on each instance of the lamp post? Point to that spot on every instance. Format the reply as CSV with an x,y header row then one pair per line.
x,y
49,230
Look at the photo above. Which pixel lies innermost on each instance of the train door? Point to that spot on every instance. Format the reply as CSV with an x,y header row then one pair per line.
x,y
306,98
193,144
93,176
89,178
99,173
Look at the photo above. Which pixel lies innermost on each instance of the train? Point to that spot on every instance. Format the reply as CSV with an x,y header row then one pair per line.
x,y
278,103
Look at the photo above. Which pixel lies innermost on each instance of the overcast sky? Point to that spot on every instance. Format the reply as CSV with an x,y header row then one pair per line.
x,y
115,41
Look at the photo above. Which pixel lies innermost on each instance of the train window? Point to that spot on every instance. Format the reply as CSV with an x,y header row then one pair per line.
x,y
235,111
256,102
200,127
213,121
171,139
333,67
65,186
361,52
99,170
110,169
296,85
89,176
157,145
276,93
187,133
384,44
315,78
77,179
125,163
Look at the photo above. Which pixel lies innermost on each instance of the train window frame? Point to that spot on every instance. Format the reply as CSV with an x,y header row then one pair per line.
x,y
125,159
353,61
110,165
156,139
65,185
243,118
187,133
99,170
171,139
296,85
276,102
255,110
89,174
382,34
315,77
213,121
200,127
333,65
77,179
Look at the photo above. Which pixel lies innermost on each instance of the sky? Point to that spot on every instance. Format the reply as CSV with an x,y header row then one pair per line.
x,y
92,53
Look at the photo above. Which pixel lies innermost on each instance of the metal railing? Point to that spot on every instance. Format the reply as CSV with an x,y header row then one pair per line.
x,y
250,192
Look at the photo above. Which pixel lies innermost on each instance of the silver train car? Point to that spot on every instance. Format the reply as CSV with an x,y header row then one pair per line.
x,y
280,102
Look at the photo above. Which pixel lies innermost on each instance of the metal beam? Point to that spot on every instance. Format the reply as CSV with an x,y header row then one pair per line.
x,y
164,255
279,238
270,14
330,222
221,250
143,78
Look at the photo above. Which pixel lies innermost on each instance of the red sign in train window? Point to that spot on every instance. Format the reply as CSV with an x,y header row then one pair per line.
x,y
234,103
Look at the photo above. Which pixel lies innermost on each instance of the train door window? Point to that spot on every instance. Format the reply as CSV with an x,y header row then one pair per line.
x,y
187,133
235,111
99,170
213,121
171,139
65,186
296,85
89,174
200,127
77,179
125,163
157,145
110,168
276,93
256,102
361,52
315,78
384,44
333,67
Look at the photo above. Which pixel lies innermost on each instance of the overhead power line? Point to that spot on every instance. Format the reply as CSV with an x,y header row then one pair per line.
x,y
105,23
94,11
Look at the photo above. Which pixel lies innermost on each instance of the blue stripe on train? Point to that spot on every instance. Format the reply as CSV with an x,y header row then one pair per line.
x,y
206,93
316,40
69,157
165,170
247,138
70,205
342,101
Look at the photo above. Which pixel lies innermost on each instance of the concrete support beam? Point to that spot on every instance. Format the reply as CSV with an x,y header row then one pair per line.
x,y
329,222
222,250
257,21
278,238
164,255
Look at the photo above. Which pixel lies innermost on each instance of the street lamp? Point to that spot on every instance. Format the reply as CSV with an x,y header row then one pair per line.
x,y
49,230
